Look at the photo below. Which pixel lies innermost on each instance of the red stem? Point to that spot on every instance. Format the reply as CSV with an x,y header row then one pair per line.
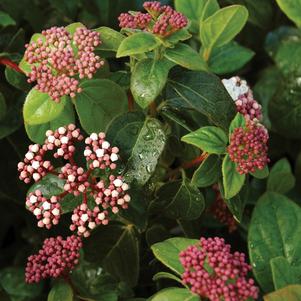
x,y
7,62
85,198
130,101
195,162
72,161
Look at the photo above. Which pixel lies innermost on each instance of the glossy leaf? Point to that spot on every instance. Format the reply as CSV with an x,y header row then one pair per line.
x,y
168,252
110,38
165,275
99,102
208,172
174,294
116,248
6,20
71,28
222,27
185,56
201,92
210,7
17,79
148,79
232,180
261,173
40,108
61,291
291,8
137,43
238,122
273,234
281,178
291,293
210,139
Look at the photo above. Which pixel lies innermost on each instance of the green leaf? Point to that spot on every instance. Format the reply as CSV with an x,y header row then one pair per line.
x,y
110,38
99,102
238,122
210,139
36,133
6,20
71,28
208,172
210,7
178,36
222,27
201,92
261,173
273,234
13,282
168,252
185,56
49,185
3,107
165,275
174,294
292,9
281,178
179,200
229,58
137,43
192,9
116,248
147,81
17,79
289,293
283,273
141,141
61,291
40,108
69,202
232,180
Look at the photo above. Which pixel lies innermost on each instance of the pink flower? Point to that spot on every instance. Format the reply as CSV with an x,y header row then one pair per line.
x,y
248,147
57,257
213,272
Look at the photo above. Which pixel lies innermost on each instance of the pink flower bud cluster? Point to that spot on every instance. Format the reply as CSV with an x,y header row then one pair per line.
x,y
248,147
160,20
100,195
55,64
221,212
243,98
213,272
56,258
47,211
34,166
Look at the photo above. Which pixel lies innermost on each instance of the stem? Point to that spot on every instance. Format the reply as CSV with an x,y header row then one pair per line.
x,y
53,172
130,101
71,160
63,194
153,109
7,62
206,54
85,198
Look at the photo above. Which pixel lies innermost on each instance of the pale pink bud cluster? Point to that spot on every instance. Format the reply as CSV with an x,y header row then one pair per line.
x,y
248,147
56,258
63,141
99,152
55,63
34,166
213,272
160,20
85,220
221,212
47,211
243,98
101,194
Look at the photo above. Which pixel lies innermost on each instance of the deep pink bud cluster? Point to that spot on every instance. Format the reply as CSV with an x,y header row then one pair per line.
x,y
248,147
34,166
47,211
160,20
243,97
100,195
55,63
56,258
213,272
221,212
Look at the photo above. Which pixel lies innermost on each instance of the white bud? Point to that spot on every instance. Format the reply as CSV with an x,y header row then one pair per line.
x,y
94,136
120,201
95,164
35,164
84,217
81,229
71,178
107,192
33,199
36,176
51,139
35,148
46,221
114,157
115,193
81,188
55,212
60,152
99,152
105,145
127,198
29,156
61,130
37,211
125,186
101,216
92,225
64,140
117,182
87,152
46,206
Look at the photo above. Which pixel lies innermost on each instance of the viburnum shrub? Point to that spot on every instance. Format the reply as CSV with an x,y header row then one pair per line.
x,y
155,147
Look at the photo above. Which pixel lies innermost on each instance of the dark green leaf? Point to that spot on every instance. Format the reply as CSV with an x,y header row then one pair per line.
x,y
40,108
6,19
17,79
232,180
3,107
261,173
99,102
165,275
185,56
210,139
291,293
174,294
137,43
147,80
168,252
208,172
61,291
202,92
273,234
116,248
238,122
110,38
